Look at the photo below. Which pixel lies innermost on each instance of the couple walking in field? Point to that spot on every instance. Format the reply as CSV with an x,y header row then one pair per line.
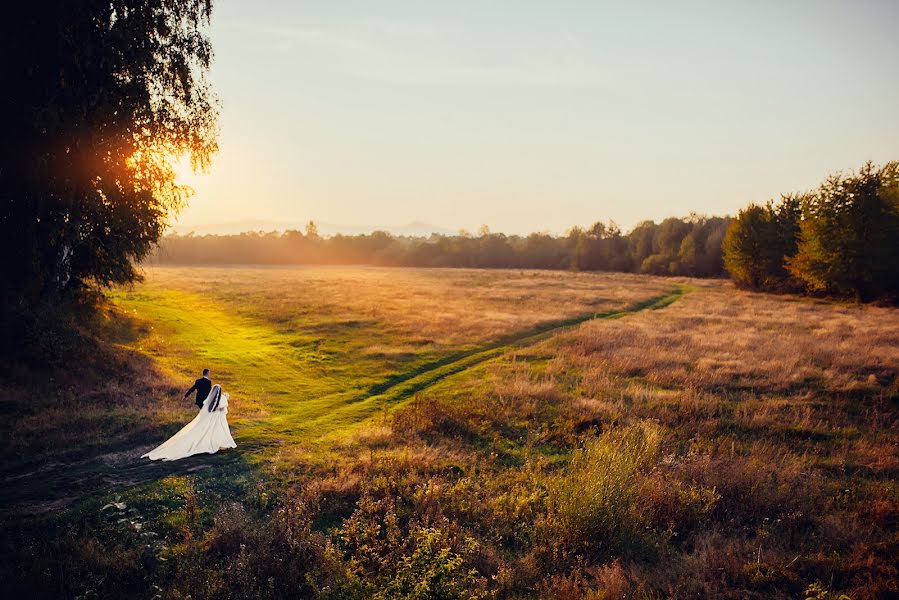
x,y
207,433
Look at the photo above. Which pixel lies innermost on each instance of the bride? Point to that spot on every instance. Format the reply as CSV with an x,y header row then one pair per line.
x,y
206,433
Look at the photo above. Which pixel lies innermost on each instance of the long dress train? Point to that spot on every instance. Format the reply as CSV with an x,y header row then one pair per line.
x,y
207,433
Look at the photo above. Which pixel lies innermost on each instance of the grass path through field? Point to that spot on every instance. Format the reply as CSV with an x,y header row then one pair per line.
x,y
285,389
305,399
399,388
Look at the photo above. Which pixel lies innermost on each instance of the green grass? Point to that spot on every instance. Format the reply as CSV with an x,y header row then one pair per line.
x,y
309,380
295,379
308,356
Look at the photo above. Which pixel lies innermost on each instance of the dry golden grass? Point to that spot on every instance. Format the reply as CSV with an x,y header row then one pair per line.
x,y
724,338
777,465
444,307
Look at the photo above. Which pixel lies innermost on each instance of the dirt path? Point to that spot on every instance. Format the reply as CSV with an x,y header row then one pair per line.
x,y
56,485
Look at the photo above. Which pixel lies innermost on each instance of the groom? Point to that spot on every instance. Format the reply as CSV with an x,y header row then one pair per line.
x,y
202,387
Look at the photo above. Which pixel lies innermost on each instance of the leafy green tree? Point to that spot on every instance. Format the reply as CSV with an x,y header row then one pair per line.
x,y
614,249
849,236
788,216
751,253
100,99
687,256
496,251
579,244
670,234
708,235
604,248
640,242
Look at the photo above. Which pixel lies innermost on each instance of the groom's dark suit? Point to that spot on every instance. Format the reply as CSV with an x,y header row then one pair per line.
x,y
202,387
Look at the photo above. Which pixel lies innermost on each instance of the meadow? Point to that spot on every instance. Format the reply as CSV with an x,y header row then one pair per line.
x,y
441,433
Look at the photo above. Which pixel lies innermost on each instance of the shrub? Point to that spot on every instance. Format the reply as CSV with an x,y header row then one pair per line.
x,y
432,569
277,557
593,504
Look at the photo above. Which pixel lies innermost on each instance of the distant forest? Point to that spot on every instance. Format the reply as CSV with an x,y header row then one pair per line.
x,y
689,246
841,239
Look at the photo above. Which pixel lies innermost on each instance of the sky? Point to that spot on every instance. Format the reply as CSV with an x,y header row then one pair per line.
x,y
537,116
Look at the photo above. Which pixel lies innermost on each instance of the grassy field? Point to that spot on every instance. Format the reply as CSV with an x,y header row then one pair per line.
x,y
311,353
458,433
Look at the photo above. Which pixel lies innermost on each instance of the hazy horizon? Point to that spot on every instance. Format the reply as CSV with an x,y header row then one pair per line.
x,y
529,117
416,228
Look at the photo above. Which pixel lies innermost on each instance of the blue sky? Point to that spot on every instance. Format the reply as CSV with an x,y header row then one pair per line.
x,y
530,116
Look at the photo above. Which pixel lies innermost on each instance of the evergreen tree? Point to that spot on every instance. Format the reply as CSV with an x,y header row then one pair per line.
x,y
849,235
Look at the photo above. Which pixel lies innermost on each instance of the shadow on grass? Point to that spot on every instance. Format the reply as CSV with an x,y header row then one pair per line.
x,y
59,485
459,361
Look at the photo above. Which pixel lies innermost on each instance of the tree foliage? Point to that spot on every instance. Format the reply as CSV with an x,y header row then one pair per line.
x,y
758,241
841,239
99,101
849,236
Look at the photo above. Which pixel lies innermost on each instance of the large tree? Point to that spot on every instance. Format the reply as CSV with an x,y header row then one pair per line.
x,y
99,100
748,247
759,241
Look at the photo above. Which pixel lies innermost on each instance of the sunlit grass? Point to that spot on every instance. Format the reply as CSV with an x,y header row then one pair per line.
x,y
294,347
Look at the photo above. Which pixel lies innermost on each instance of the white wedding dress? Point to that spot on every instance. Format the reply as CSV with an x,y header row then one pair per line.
x,y
207,433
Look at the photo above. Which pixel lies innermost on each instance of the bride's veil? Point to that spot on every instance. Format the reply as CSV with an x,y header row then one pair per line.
x,y
215,397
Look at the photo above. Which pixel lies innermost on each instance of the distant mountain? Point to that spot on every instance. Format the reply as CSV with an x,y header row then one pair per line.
x,y
415,228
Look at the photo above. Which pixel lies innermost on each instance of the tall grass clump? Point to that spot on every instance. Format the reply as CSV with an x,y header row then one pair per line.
x,y
593,503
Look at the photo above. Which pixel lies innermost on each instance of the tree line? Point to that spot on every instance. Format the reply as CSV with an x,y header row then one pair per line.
x,y
841,239
689,246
